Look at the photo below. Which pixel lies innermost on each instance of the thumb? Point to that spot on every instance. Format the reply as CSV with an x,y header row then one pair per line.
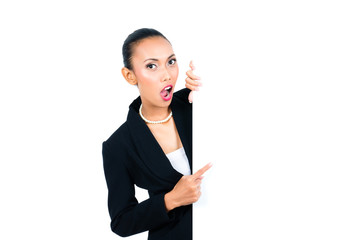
x,y
191,65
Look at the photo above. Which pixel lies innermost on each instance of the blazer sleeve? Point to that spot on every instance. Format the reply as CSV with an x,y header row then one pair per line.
x,y
129,217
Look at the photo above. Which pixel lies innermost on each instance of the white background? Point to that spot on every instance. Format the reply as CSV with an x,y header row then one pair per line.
x,y
278,114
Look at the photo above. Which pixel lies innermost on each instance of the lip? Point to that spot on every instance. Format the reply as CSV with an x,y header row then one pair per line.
x,y
169,96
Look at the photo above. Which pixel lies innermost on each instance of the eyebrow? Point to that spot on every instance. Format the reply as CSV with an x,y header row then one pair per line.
x,y
154,59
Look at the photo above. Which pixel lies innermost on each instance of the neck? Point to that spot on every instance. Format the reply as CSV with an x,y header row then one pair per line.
x,y
154,113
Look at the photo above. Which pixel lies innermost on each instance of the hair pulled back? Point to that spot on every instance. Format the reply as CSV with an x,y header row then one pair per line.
x,y
133,39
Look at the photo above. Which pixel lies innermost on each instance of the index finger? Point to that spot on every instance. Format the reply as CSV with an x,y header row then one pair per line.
x,y
202,170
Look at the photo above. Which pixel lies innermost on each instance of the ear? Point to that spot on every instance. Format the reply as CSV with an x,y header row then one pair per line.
x,y
129,76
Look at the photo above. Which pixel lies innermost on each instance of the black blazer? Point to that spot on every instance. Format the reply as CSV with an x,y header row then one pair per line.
x,y
132,156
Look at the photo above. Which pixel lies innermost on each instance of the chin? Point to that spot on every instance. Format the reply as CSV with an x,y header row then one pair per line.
x,y
166,103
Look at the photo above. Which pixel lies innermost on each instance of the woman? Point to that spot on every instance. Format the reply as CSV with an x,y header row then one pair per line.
x,y
153,148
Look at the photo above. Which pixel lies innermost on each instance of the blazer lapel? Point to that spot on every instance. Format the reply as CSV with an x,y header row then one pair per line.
x,y
148,148
183,122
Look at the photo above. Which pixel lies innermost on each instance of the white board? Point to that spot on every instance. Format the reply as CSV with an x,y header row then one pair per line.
x,y
279,118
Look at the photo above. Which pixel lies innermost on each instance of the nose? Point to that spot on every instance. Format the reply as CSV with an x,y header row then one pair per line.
x,y
166,76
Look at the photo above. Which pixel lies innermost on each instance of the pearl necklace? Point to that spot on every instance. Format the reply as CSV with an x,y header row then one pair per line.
x,y
154,122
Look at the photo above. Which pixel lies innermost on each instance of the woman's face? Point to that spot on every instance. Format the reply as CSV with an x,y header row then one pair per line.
x,y
156,71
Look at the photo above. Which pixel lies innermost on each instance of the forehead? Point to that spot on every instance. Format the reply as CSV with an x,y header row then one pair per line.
x,y
153,47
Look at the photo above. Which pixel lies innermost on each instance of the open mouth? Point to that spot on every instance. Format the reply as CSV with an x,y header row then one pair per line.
x,y
166,93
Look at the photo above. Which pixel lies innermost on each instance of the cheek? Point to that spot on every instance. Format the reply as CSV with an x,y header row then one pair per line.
x,y
145,77
175,73
146,80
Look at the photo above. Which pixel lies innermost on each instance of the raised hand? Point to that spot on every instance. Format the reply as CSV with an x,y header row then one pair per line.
x,y
192,81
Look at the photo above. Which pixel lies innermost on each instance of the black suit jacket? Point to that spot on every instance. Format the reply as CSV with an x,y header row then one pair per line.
x,y
132,156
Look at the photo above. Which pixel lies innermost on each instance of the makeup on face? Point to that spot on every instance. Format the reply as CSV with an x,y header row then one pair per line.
x,y
156,70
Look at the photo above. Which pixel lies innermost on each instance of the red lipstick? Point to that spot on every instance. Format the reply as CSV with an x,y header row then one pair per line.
x,y
166,93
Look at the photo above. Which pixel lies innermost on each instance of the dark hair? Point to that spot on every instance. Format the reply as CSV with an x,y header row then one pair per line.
x,y
135,37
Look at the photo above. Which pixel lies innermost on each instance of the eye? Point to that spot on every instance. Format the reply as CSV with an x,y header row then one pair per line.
x,y
172,61
151,66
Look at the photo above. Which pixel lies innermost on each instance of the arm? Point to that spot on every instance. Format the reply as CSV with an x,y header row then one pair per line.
x,y
129,217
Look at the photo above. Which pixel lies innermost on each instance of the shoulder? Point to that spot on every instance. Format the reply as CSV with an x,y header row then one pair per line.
x,y
117,140
181,101
182,95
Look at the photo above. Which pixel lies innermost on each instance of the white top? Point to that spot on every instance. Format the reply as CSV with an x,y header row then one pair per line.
x,y
179,161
